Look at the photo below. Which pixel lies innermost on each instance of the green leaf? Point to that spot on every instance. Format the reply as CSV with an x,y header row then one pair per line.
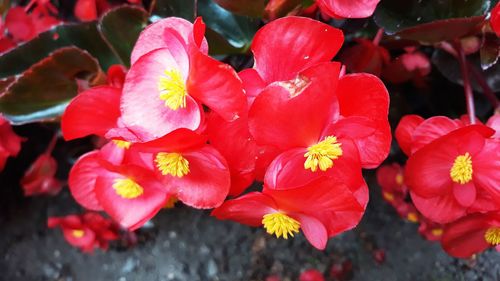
x,y
252,8
238,31
43,91
449,67
82,35
121,28
430,21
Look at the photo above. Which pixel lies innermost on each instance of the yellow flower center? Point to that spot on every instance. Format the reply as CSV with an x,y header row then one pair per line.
x,y
461,171
437,232
122,144
399,179
412,217
127,188
172,164
78,233
388,196
492,236
322,154
172,89
280,225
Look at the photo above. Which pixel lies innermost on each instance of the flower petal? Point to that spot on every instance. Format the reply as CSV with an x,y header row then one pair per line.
x,y
248,209
302,43
82,178
404,131
314,231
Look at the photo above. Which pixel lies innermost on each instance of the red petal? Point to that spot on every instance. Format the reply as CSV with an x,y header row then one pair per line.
x,y
301,43
311,275
294,113
86,10
404,132
208,181
465,237
248,209
252,83
143,111
495,19
233,141
86,241
365,57
494,123
10,142
82,178
172,33
441,209
94,111
216,85
465,194
36,179
19,24
313,229
178,141
348,8
430,130
116,75
486,167
131,213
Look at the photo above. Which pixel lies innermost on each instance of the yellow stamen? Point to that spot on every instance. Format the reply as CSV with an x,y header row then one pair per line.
x,y
399,179
172,164
78,233
280,225
412,217
461,171
122,144
127,188
437,232
322,154
388,196
492,236
172,89
171,202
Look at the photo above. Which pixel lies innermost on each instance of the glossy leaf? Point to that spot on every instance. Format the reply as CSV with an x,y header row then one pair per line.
x,y
252,8
83,35
43,91
449,67
238,31
490,50
430,21
121,28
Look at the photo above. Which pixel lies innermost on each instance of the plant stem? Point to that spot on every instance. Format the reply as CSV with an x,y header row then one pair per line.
x,y
378,36
195,8
469,97
52,143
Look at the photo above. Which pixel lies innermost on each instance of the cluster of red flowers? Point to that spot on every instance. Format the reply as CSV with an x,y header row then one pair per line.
x,y
453,178
10,143
24,23
182,125
87,231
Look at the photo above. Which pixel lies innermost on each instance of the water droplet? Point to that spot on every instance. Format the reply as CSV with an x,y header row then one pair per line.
x,y
419,18
306,57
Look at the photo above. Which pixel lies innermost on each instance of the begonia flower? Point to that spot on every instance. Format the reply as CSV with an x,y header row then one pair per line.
x,y
413,65
88,10
430,230
472,234
304,87
171,77
311,275
311,208
130,194
87,231
40,177
365,56
10,143
454,172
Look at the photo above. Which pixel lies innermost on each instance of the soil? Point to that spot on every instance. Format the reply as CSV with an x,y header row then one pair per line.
x,y
188,245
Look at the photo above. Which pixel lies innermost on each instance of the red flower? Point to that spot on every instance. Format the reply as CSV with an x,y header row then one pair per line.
x,y
39,178
495,19
455,172
87,231
318,208
430,230
365,56
391,180
472,234
130,194
311,275
304,87
10,143
348,8
171,77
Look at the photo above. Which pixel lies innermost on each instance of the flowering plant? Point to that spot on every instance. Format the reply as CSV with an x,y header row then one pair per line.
x,y
199,103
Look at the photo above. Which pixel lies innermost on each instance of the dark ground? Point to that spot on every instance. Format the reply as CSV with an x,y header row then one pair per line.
x,y
186,244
